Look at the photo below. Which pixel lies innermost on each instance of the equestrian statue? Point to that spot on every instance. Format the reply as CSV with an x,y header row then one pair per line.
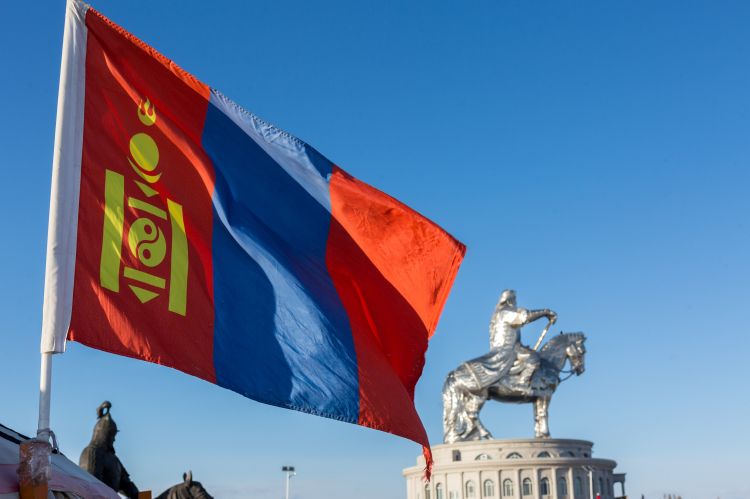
x,y
510,372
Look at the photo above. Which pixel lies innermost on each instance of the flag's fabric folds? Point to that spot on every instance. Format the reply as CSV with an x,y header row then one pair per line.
x,y
187,232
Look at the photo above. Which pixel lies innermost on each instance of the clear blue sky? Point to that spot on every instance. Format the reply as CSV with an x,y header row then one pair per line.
x,y
592,155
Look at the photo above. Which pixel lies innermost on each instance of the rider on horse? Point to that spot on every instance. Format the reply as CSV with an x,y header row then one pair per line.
x,y
507,355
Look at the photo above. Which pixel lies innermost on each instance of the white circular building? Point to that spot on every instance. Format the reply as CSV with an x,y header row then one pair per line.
x,y
532,468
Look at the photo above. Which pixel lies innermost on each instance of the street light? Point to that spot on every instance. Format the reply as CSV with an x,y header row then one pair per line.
x,y
591,470
289,474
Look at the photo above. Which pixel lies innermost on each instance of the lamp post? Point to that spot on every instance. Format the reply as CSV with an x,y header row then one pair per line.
x,y
591,470
289,474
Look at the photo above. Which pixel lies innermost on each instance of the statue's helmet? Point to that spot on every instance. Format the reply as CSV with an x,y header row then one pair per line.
x,y
105,429
506,296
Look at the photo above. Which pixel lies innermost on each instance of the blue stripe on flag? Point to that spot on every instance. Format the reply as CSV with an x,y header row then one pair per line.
x,y
281,333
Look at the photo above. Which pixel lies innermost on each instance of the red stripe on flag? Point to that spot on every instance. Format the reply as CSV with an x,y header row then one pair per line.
x,y
414,254
393,270
148,309
389,338
99,22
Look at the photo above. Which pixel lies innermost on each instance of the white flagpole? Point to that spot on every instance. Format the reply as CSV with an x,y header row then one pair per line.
x,y
45,395
35,455
63,216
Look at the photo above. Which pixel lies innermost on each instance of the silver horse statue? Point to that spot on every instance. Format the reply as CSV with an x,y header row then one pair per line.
x,y
510,372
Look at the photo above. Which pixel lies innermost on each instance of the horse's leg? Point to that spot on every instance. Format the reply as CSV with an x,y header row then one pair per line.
x,y
470,416
458,419
536,418
452,405
541,404
474,407
483,432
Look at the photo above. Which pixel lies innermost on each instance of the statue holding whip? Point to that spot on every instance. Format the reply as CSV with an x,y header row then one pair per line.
x,y
510,372
507,354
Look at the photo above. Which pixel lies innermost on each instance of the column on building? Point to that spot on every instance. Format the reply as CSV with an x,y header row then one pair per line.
x,y
519,484
597,477
593,484
571,484
554,484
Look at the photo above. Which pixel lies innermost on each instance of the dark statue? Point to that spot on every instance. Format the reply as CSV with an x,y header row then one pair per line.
x,y
186,490
99,459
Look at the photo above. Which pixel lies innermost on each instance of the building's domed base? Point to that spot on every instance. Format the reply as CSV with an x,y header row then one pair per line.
x,y
531,468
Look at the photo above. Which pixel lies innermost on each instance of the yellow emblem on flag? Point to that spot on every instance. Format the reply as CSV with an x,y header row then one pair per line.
x,y
147,113
145,238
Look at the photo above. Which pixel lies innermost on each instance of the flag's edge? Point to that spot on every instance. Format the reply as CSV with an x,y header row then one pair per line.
x,y
191,81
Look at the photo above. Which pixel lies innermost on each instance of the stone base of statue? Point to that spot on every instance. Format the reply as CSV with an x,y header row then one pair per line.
x,y
533,468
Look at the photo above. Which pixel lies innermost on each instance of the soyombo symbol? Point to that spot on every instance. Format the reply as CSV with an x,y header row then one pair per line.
x,y
146,240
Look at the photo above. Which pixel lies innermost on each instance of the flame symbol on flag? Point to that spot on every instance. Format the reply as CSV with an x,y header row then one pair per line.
x,y
147,112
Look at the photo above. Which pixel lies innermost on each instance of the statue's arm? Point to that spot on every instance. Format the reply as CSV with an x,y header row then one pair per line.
x,y
127,487
533,315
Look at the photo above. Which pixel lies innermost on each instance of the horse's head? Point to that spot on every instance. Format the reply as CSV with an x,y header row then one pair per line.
x,y
195,488
576,353
189,489
565,347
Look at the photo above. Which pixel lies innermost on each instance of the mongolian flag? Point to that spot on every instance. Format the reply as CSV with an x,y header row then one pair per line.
x,y
187,232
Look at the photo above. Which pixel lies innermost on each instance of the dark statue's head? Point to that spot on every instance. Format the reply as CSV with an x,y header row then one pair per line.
x,y
105,429
189,489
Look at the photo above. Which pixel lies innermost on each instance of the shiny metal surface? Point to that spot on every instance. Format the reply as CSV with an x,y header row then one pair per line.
x,y
510,372
544,333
